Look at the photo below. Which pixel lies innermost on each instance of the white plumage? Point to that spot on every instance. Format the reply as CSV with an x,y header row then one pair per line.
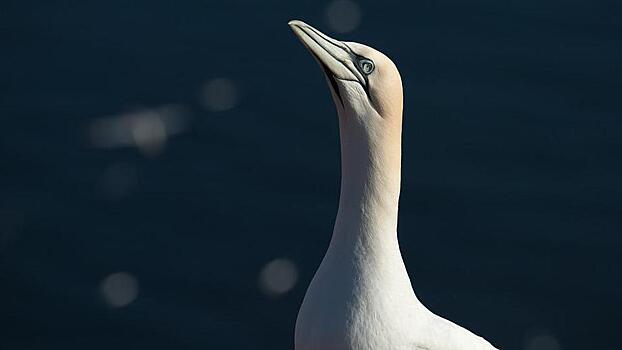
x,y
361,297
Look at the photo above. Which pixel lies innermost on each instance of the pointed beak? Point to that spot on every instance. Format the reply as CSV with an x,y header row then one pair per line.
x,y
335,57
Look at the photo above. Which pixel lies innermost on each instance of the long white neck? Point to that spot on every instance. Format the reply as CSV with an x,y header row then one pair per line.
x,y
370,182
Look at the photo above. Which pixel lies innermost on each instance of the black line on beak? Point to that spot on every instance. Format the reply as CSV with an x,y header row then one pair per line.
x,y
332,80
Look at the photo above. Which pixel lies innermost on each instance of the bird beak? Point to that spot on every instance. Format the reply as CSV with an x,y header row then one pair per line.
x,y
335,57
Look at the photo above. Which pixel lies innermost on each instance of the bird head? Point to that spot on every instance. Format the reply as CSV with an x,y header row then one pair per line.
x,y
365,84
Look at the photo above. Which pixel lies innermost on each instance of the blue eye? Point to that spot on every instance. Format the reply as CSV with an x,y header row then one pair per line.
x,y
367,66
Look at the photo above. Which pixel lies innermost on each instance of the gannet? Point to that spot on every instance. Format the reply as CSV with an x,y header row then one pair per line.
x,y
361,297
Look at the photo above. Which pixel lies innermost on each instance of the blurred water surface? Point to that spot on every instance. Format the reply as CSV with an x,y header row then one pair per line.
x,y
169,170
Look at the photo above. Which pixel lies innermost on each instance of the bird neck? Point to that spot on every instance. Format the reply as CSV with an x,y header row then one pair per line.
x,y
370,181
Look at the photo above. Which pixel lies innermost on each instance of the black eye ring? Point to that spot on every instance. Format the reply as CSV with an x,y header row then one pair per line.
x,y
366,66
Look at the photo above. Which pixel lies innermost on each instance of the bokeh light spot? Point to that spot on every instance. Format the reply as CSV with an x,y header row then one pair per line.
x,y
149,133
119,289
219,94
147,129
542,341
278,277
343,16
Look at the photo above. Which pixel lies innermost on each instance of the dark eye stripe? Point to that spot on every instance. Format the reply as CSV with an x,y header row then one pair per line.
x,y
357,58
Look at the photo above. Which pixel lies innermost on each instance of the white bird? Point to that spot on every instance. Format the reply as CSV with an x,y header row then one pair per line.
x,y
361,297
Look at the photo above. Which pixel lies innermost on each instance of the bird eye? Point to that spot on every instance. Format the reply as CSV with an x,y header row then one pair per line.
x,y
367,66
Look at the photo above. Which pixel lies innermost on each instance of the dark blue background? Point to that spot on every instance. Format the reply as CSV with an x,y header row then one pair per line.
x,y
510,210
